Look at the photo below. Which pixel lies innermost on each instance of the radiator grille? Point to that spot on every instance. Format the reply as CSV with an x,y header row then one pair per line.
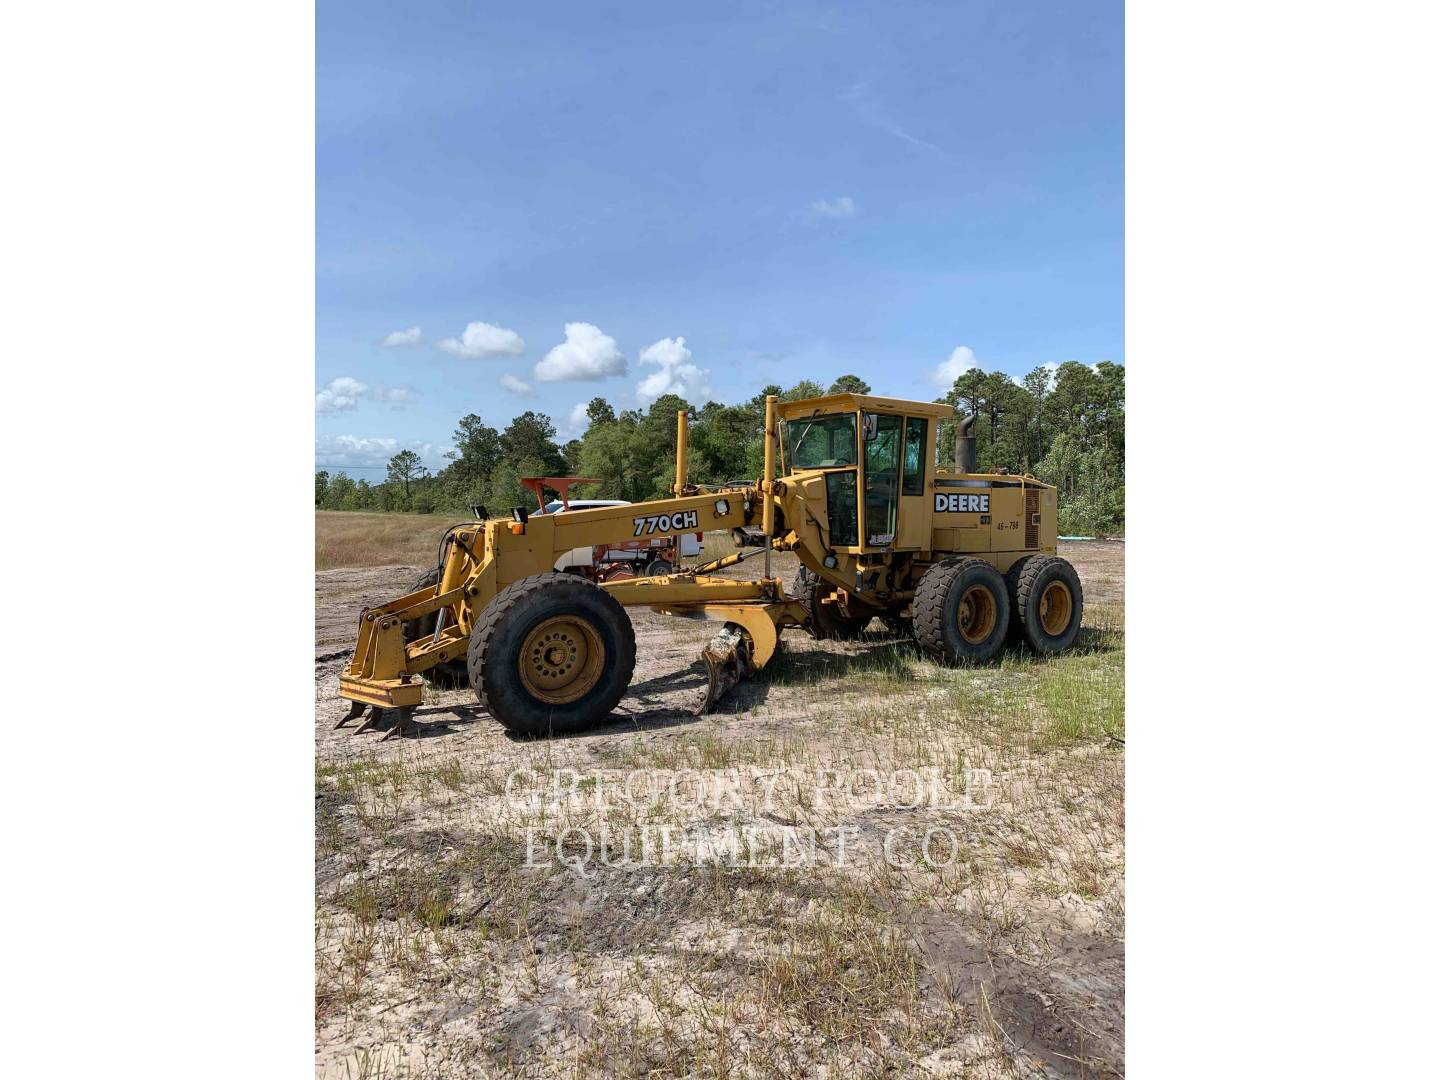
x,y
1032,518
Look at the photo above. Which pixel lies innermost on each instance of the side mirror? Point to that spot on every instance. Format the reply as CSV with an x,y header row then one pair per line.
x,y
870,425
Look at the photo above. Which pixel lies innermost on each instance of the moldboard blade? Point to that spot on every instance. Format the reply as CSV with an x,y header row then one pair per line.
x,y
728,660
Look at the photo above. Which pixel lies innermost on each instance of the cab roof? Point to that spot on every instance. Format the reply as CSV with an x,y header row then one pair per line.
x,y
836,403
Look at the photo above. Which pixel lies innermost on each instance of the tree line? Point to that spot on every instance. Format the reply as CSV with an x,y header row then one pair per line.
x,y
1065,425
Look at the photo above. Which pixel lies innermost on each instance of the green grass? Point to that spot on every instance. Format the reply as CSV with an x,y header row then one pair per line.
x,y
886,686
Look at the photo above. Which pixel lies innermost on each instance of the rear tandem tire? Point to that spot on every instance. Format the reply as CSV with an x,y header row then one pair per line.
x,y
1049,603
962,611
1016,634
451,675
552,654
826,620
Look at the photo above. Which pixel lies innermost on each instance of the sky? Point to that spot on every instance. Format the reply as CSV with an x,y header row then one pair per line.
x,y
525,206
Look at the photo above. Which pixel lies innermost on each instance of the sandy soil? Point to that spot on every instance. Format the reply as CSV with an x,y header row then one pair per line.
x,y
1016,958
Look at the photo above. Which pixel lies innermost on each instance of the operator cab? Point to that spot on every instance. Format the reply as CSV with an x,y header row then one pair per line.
x,y
873,459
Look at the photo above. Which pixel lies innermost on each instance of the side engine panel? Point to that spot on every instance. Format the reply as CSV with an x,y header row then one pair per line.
x,y
992,516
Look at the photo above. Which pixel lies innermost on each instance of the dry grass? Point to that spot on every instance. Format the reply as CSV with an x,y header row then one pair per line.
x,y
440,952
345,538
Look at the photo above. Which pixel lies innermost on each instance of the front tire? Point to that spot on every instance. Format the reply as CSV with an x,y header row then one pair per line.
x,y
552,654
1049,603
962,611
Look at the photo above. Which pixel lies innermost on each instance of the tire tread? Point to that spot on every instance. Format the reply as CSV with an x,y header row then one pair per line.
x,y
929,605
505,601
1025,586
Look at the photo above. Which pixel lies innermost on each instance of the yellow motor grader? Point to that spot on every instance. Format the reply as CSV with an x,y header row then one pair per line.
x,y
964,561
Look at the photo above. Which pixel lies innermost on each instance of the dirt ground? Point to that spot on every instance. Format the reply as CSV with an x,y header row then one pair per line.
x,y
465,928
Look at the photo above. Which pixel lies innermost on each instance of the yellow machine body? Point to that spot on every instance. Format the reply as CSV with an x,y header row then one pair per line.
x,y
908,512
850,486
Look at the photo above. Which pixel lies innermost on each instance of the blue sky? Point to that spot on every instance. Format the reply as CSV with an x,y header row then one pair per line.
x,y
797,192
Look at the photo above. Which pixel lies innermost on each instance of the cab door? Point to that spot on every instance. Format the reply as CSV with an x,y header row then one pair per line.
x,y
916,451
881,435
896,450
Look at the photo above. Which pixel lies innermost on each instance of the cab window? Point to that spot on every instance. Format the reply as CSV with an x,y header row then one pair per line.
x,y
820,442
843,513
913,474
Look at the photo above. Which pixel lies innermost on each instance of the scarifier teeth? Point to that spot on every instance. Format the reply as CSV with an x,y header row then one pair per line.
x,y
356,708
727,660
402,723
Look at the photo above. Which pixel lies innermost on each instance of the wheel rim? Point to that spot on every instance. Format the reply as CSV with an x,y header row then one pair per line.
x,y
561,659
976,614
1055,608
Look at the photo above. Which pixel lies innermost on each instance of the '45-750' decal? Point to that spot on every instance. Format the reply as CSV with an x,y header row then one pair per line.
x,y
686,519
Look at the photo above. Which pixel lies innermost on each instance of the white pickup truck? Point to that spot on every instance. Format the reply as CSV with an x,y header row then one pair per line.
x,y
635,557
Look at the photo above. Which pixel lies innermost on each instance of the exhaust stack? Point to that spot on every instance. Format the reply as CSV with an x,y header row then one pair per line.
x,y
965,444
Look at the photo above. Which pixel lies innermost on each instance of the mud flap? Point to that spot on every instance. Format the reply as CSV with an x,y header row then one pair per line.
x,y
729,658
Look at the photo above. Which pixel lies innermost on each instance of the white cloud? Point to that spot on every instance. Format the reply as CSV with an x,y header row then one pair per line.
x,y
514,385
396,396
402,337
677,372
337,452
586,353
575,422
961,361
339,395
344,394
843,207
482,339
